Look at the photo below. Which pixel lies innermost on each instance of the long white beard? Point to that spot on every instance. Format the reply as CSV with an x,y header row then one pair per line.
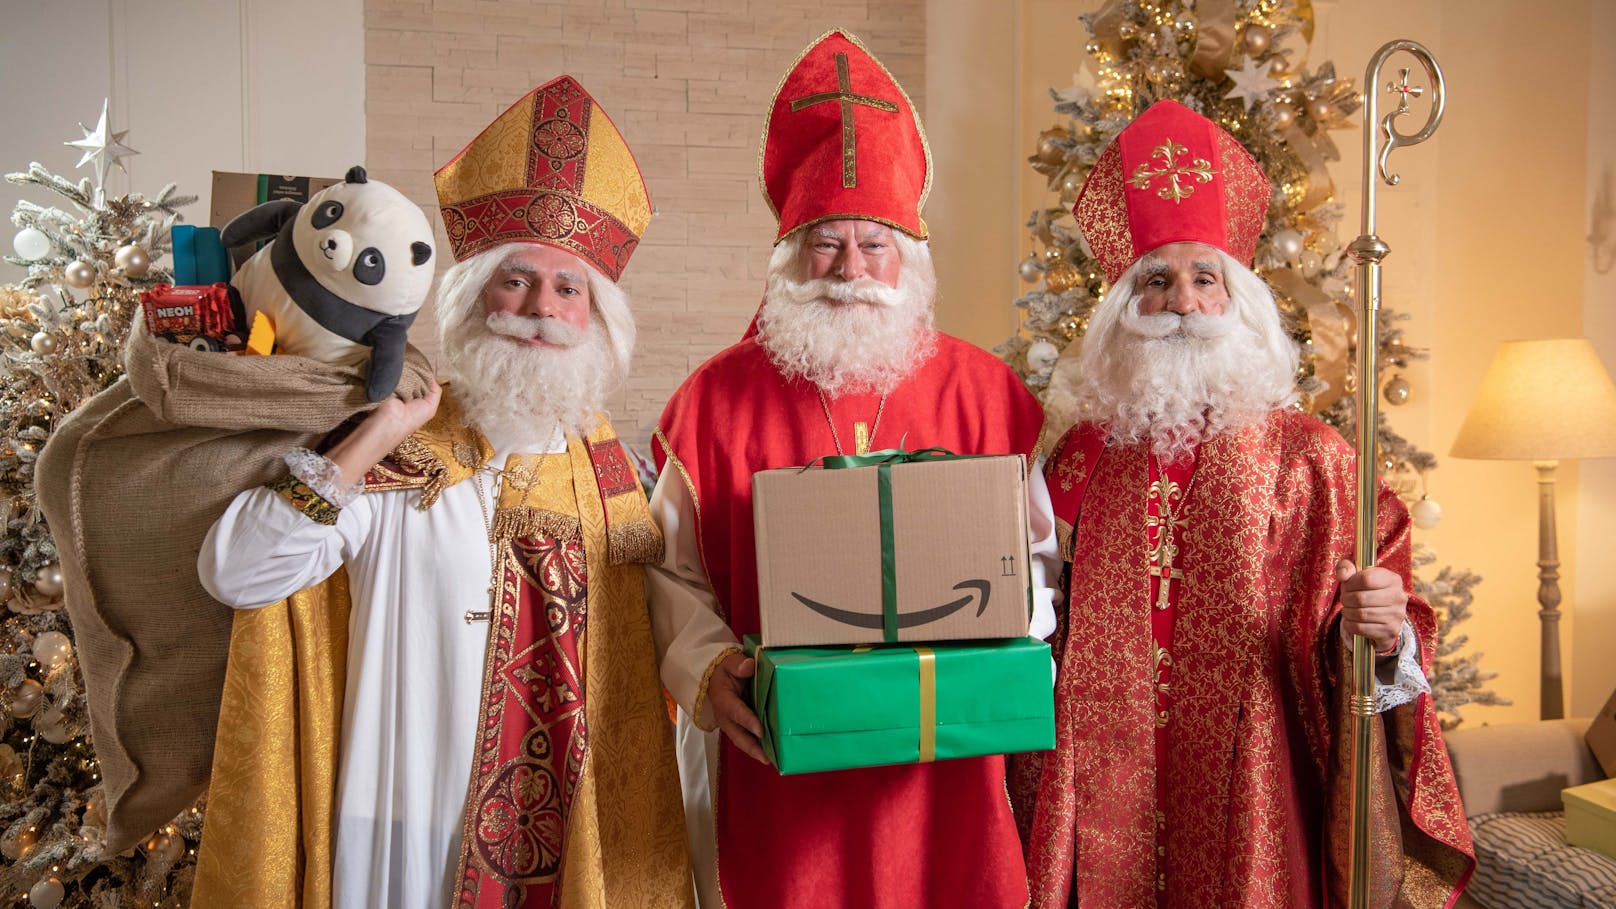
x,y
523,394
1177,381
847,337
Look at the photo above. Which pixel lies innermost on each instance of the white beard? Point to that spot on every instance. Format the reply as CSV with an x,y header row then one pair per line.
x,y
522,394
847,337
1177,381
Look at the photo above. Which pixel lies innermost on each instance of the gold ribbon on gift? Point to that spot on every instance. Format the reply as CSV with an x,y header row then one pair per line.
x,y
1331,326
928,704
928,699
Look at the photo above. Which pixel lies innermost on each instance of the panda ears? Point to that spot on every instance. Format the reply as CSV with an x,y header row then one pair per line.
x,y
420,252
356,174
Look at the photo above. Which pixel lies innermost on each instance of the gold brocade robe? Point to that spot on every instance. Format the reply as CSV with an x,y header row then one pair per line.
x,y
269,840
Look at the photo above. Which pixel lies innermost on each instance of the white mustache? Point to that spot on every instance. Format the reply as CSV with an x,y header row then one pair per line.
x,y
1190,325
551,331
858,290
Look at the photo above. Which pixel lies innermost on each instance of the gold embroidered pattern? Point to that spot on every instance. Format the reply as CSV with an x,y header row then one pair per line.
x,y
1102,213
1169,518
313,505
845,95
1160,660
1069,469
1172,167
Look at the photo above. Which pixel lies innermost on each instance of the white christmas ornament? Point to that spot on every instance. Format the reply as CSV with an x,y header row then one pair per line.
x,y
1289,244
1041,356
1252,83
1425,513
47,894
31,243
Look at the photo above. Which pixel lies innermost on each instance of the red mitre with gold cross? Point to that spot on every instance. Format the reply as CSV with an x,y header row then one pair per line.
x,y
552,169
843,141
1171,176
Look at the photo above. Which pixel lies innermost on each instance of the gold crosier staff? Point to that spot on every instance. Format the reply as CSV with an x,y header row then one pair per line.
x,y
1367,251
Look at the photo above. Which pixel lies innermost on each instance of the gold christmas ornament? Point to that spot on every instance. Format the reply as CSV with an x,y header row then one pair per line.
x,y
49,581
46,894
1050,150
52,649
1283,117
44,343
27,699
1061,278
1396,391
79,274
1257,40
133,259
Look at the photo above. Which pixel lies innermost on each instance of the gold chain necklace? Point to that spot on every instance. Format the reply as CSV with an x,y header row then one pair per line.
x,y
475,615
861,442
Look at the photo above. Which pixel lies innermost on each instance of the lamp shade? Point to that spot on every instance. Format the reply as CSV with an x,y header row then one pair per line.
x,y
1541,401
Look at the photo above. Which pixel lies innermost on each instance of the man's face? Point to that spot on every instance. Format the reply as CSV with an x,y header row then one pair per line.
x,y
850,249
541,281
1183,278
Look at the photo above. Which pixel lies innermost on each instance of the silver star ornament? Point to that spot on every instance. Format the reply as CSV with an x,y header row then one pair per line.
x,y
102,149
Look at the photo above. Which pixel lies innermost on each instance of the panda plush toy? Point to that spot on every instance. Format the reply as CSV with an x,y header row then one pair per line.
x,y
343,274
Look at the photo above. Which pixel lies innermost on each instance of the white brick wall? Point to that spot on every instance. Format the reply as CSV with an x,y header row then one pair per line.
x,y
687,81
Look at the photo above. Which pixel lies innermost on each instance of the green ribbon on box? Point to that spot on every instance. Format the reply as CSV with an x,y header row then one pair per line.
x,y
883,461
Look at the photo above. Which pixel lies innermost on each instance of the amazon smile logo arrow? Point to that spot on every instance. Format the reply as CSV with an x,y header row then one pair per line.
x,y
981,589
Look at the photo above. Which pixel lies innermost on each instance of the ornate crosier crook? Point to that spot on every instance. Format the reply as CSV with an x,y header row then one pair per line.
x,y
1367,251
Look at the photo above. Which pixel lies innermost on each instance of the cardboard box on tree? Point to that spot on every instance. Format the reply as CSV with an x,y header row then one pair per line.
x,y
834,708
234,193
919,550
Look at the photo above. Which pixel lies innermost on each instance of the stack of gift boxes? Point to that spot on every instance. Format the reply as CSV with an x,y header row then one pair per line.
x,y
895,597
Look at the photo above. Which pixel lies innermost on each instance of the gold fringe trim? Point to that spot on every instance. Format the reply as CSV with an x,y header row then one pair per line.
x,y
634,542
513,523
1063,539
413,455
701,691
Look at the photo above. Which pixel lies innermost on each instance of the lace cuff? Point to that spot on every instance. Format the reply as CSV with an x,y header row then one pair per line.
x,y
701,691
323,476
1398,677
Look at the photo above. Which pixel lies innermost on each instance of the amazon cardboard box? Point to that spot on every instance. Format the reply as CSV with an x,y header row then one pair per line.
x,y
923,550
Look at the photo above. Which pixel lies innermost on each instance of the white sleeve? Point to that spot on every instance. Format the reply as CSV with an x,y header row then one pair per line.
x,y
1045,568
262,549
690,634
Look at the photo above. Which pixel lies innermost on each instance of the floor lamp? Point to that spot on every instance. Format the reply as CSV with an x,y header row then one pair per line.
x,y
1543,401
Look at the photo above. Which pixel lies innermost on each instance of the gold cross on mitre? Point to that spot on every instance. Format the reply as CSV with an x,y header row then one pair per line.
x,y
844,94
1173,167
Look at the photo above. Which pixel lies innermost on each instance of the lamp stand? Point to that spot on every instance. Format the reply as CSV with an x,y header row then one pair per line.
x,y
1552,697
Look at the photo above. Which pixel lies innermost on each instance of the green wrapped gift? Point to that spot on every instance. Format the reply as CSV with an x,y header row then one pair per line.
x,y
832,708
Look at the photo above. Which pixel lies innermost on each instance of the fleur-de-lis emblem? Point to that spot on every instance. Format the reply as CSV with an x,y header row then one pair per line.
x,y
1176,169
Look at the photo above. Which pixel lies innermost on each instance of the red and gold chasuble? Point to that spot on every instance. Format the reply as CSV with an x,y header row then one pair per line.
x,y
1201,758
573,800
936,835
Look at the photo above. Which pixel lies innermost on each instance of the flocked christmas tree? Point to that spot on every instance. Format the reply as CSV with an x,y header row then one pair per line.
x,y
1242,63
61,340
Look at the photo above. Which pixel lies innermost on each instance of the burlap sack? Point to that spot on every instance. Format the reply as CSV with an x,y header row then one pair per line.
x,y
130,483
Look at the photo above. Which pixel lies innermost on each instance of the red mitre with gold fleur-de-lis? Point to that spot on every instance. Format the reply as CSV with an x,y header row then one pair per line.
x,y
551,169
1171,176
843,141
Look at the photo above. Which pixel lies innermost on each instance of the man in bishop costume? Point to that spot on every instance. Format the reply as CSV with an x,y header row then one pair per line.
x,y
1203,732
842,358
502,738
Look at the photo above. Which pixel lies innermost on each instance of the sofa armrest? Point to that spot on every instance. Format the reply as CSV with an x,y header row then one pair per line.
x,y
1520,766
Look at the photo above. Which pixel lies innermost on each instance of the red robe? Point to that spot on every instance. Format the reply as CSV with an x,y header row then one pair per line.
x,y
936,835
1254,771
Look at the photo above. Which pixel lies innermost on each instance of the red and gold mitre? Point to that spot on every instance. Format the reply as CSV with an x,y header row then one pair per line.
x,y
843,141
1171,176
552,169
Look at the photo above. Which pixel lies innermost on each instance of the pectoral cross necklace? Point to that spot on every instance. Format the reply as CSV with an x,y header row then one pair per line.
x,y
494,572
1168,520
863,434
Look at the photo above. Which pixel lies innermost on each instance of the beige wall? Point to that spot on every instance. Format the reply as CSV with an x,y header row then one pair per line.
x,y
1491,210
687,81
